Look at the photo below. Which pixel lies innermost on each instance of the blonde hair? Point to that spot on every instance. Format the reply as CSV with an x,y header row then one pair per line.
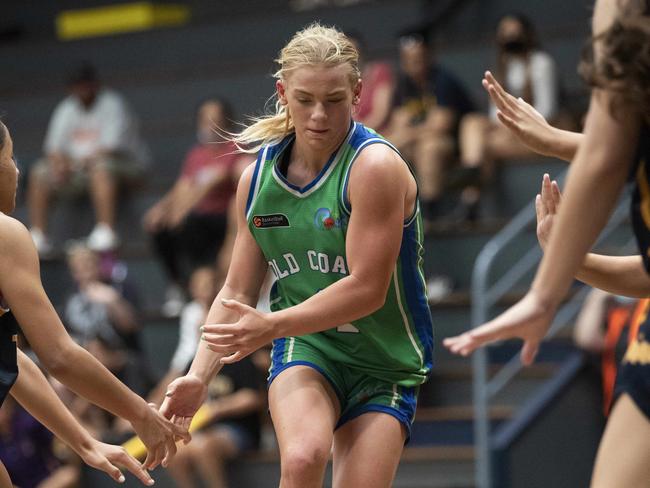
x,y
314,45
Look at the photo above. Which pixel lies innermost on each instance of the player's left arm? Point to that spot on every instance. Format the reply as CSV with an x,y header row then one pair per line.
x,y
382,194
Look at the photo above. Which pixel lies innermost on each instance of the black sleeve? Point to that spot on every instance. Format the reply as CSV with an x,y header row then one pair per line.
x,y
450,93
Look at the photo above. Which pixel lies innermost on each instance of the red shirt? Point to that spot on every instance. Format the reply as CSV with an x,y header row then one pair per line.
x,y
201,163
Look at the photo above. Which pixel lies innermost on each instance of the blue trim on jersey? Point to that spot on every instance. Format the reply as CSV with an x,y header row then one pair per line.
x,y
400,415
322,172
276,371
277,353
415,292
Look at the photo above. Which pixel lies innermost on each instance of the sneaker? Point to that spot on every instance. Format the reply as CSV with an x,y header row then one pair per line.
x,y
102,239
42,242
174,301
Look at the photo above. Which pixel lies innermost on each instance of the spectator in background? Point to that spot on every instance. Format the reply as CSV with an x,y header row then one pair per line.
x,y
429,103
203,289
525,71
102,319
26,449
93,143
235,401
188,224
375,103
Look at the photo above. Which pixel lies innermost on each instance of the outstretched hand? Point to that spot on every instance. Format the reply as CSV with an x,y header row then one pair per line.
x,y
183,398
521,118
107,458
159,435
547,204
529,319
236,341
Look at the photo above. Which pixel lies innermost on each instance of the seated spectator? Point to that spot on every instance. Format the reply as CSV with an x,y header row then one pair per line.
x,y
93,143
203,289
375,103
27,451
235,401
101,319
429,103
525,71
188,224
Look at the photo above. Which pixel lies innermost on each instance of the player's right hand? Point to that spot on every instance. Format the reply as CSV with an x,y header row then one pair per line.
x,y
107,458
183,398
159,435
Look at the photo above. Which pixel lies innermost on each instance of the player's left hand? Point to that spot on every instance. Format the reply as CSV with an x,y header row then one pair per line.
x,y
238,340
529,319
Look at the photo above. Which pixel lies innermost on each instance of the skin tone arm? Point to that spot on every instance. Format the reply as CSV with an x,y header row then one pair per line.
x,y
529,126
380,188
61,356
620,275
35,394
602,163
245,276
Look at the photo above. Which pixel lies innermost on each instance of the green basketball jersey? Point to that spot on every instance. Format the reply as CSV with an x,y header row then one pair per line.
x,y
302,233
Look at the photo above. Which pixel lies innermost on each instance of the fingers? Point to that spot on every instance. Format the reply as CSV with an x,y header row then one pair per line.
x,y
170,451
154,456
113,471
528,352
135,468
180,429
233,358
556,193
539,208
547,198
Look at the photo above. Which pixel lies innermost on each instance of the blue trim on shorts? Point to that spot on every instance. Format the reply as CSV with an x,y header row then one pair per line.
x,y
373,407
277,371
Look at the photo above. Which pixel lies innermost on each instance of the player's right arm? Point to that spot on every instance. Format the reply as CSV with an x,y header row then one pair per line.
x,y
245,277
35,394
68,362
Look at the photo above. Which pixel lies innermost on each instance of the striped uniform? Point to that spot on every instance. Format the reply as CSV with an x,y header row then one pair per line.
x,y
375,363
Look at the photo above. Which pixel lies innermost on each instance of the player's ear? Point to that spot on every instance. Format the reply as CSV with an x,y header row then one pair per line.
x,y
281,89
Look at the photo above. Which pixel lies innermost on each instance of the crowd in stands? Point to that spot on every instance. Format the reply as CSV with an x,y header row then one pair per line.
x,y
93,145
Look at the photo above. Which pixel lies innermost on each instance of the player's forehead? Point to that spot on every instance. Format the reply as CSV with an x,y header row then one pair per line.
x,y
320,79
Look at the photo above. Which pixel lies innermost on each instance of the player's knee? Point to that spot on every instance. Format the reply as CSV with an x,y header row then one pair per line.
x,y
301,460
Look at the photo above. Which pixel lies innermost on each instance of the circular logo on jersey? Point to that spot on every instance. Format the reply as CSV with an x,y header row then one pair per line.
x,y
324,220
257,222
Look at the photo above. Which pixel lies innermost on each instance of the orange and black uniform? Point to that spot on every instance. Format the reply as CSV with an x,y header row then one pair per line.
x,y
634,373
8,364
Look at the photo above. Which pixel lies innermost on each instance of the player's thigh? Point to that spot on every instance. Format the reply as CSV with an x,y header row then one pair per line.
x,y
304,409
624,454
367,450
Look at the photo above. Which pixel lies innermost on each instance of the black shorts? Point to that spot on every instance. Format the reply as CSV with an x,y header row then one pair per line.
x,y
8,352
634,372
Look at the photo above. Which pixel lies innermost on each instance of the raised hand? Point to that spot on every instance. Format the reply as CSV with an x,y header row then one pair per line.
x,y
159,436
107,458
547,204
183,398
526,123
238,340
528,319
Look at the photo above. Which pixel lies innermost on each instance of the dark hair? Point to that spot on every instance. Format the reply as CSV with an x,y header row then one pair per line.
x,y
624,65
226,107
530,43
528,29
84,73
